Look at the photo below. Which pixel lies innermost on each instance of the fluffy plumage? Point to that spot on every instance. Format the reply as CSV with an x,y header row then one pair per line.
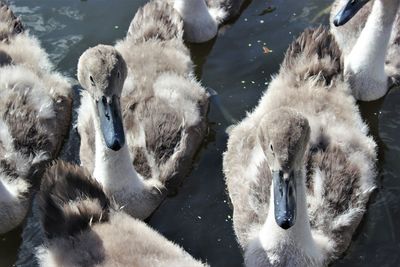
x,y
163,109
338,168
85,228
375,57
70,202
152,22
35,110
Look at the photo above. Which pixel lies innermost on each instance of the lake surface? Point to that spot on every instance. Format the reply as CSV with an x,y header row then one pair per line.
x,y
198,217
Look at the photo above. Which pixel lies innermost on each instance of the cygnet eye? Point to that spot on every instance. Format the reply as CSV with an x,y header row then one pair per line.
x,y
92,80
272,148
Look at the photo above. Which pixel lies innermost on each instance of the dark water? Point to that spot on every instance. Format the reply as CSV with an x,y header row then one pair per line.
x,y
234,65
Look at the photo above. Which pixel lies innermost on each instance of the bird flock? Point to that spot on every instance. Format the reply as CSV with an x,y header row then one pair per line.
x,y
299,168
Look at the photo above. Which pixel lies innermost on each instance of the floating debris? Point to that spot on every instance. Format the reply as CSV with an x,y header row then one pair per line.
x,y
266,50
268,10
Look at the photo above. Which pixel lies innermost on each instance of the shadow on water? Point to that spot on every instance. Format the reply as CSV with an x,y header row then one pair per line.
x,y
9,244
377,240
199,217
370,112
70,151
199,54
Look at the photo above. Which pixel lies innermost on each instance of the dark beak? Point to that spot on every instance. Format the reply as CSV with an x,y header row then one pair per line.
x,y
111,122
285,199
349,10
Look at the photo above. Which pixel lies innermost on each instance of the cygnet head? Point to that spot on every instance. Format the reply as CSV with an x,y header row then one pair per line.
x,y
348,11
102,72
283,135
